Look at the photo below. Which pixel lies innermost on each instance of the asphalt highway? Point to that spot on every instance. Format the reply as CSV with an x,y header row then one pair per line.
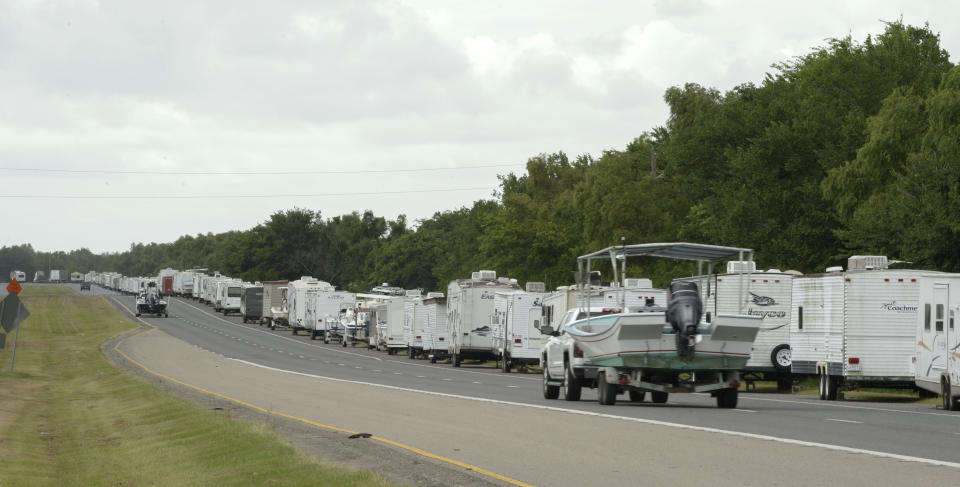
x,y
903,429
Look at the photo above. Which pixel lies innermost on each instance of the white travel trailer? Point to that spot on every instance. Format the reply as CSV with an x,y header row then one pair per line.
x,y
228,296
469,312
394,320
274,303
938,338
856,328
324,306
76,277
18,275
565,298
516,325
415,325
299,294
183,284
436,332
769,294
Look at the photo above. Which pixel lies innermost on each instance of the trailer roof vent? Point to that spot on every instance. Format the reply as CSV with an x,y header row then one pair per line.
x,y
741,266
836,268
484,275
434,295
637,283
867,262
413,293
535,287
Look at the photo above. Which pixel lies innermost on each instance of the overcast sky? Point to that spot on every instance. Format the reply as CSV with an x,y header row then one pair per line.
x,y
280,86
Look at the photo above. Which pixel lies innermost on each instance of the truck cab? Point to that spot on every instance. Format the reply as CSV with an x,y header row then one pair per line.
x,y
565,370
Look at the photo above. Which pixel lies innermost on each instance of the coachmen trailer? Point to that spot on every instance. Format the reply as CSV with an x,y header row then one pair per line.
x,y
299,294
274,297
516,326
856,328
771,293
470,311
938,338
251,303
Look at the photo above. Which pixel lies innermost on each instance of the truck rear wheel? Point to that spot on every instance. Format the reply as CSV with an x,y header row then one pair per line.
x,y
549,391
945,395
727,398
658,397
571,385
456,359
637,396
832,387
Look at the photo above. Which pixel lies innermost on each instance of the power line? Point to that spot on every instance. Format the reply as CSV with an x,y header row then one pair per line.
x,y
229,196
249,173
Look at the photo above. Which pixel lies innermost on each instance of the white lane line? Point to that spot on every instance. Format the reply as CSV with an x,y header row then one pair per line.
x,y
847,406
843,420
788,441
340,365
477,382
420,377
397,373
376,370
511,386
740,410
446,379
301,356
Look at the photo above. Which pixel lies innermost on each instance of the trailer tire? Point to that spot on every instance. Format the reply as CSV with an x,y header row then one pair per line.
x,y
780,357
823,386
658,397
138,315
832,388
433,359
505,363
455,359
294,330
606,393
343,343
411,354
945,395
313,334
549,391
571,385
166,315
727,398
637,396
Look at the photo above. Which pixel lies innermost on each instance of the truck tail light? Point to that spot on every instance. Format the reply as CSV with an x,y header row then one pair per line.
x,y
418,337
853,360
577,352
517,340
735,384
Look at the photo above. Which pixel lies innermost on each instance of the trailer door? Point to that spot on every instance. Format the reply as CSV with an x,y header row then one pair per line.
x,y
941,305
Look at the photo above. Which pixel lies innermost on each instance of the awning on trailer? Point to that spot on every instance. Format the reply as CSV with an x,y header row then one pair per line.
x,y
674,250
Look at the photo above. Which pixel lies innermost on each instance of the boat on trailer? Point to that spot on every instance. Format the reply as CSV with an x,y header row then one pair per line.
x,y
662,350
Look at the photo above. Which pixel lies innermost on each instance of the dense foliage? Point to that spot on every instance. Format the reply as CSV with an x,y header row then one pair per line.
x,y
853,148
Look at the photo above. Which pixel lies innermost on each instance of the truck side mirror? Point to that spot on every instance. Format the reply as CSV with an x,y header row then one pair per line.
x,y
548,330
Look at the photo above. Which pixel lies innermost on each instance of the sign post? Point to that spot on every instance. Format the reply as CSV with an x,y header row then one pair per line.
x,y
12,312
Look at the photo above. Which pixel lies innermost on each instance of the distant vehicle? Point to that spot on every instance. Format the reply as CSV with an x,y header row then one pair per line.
x,y
18,275
149,301
85,286
76,277
251,303
39,276
55,275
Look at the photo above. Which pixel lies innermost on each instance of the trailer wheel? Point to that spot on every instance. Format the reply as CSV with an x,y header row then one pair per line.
x,y
411,354
832,387
313,334
658,397
945,395
727,398
456,359
294,330
343,343
166,315
781,358
138,314
433,358
784,383
637,396
606,393
505,363
549,391
326,338
823,386
571,385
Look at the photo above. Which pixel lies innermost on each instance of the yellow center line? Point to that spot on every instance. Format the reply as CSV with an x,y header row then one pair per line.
x,y
409,448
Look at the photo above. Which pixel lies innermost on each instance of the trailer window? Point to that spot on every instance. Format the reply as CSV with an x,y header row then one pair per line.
x,y
800,317
939,317
926,316
951,319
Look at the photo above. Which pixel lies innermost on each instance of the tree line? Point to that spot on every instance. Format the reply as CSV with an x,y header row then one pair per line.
x,y
853,148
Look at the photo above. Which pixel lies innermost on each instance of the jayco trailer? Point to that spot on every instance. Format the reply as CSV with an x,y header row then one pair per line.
x,y
856,328
516,322
938,338
469,312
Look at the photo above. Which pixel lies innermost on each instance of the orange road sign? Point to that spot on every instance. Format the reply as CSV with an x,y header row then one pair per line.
x,y
14,287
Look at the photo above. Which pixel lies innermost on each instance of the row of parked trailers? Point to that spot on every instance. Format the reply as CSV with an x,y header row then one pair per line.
x,y
868,325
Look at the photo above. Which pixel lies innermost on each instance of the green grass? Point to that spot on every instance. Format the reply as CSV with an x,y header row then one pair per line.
x,y
30,290
68,417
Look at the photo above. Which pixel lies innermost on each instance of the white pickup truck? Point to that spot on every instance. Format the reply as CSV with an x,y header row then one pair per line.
x,y
564,367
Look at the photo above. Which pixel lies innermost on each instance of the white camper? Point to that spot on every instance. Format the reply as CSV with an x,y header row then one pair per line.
x,y
323,309
436,332
228,296
470,311
856,327
516,326
299,294
768,295
938,338
274,298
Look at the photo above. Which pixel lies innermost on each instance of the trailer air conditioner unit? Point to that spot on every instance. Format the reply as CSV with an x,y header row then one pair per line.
x,y
413,293
867,262
484,276
637,283
735,266
836,268
536,287
434,295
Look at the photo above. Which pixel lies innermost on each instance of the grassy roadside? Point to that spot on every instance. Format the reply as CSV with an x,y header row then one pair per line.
x,y
68,417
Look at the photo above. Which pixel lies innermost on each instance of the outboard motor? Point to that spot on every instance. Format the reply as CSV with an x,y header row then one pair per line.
x,y
684,309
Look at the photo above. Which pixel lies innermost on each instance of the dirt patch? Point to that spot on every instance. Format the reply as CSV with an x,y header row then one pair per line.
x,y
327,446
